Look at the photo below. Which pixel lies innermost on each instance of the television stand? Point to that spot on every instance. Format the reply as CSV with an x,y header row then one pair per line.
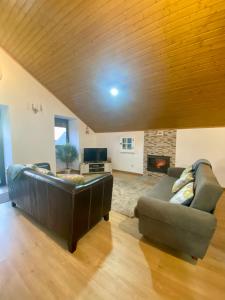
x,y
95,167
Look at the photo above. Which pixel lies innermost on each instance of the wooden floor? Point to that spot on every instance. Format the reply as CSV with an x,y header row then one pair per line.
x,y
4,197
112,262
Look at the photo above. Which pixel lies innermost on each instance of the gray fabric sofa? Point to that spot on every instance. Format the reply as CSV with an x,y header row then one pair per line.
x,y
186,228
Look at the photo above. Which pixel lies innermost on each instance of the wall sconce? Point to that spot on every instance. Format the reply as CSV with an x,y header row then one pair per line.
x,y
87,131
36,108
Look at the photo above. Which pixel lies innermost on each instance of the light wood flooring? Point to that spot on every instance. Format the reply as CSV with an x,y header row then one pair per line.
x,y
111,262
4,194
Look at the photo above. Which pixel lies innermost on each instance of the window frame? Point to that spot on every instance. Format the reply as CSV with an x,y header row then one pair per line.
x,y
2,160
63,123
124,142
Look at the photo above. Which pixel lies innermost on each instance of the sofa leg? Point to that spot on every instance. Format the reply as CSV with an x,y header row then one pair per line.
x,y
194,257
106,217
13,204
72,246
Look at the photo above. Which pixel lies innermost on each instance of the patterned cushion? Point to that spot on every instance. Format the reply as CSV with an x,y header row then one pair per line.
x,y
187,170
31,166
182,181
42,171
72,177
184,196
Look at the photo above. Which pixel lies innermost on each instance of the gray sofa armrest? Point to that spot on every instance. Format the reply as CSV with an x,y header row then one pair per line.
x,y
178,216
175,172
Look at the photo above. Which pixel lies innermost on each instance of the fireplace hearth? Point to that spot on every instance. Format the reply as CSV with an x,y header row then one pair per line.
x,y
158,163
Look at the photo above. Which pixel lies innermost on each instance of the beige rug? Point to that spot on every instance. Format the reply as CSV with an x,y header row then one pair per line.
x,y
127,189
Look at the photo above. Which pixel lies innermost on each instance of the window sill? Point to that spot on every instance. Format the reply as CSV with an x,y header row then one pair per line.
x,y
127,151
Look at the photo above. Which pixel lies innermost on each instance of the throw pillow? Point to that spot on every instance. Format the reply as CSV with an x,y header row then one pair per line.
x,y
31,166
187,170
42,171
182,181
184,196
79,179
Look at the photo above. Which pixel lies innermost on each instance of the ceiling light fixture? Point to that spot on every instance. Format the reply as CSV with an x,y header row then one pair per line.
x,y
114,91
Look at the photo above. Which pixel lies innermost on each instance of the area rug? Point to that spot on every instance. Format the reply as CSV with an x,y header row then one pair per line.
x,y
127,189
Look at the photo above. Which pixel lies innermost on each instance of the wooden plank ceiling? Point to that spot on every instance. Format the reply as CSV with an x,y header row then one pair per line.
x,y
166,57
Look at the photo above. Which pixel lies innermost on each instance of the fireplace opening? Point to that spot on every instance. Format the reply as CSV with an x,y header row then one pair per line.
x,y
157,163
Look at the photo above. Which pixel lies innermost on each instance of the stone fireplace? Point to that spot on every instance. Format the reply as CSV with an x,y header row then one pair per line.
x,y
159,151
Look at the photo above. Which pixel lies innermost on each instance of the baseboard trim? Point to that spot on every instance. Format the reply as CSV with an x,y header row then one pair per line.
x,y
127,172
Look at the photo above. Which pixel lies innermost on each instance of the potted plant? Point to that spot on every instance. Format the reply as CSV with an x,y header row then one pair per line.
x,y
67,154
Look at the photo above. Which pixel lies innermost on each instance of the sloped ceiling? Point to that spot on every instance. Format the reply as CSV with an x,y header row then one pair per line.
x,y
166,57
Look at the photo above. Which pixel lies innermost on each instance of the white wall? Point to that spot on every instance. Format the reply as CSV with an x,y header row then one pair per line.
x,y
191,144
87,140
32,135
208,143
130,162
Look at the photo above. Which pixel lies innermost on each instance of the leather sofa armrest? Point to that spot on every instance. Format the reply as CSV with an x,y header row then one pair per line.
x,y
175,172
177,215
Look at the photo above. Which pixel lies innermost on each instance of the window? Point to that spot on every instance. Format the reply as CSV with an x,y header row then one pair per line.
x,y
2,165
127,144
61,131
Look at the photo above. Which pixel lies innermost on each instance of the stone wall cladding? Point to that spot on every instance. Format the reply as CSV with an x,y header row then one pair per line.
x,y
159,142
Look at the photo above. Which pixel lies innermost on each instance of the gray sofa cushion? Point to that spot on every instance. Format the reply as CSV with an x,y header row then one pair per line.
x,y
176,215
163,190
199,162
207,189
175,172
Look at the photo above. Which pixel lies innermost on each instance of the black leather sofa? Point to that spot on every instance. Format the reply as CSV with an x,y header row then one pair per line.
x,y
61,206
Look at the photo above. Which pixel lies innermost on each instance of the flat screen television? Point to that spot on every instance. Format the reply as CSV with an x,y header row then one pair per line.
x,y
95,154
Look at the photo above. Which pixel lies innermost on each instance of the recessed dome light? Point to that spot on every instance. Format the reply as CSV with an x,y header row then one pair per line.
x,y
114,91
